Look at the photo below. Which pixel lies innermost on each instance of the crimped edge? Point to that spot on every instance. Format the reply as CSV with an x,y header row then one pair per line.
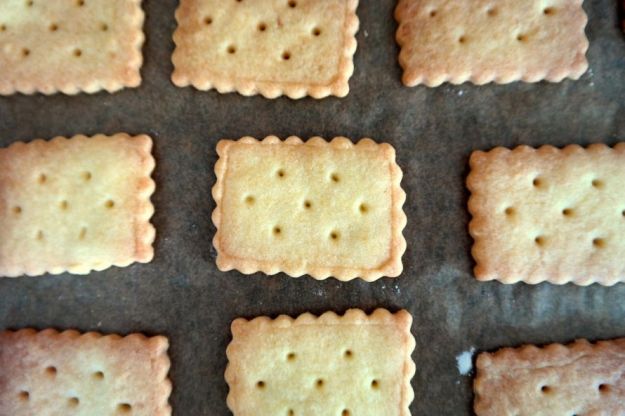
x,y
145,233
129,78
478,162
158,343
524,355
338,87
414,78
380,316
391,268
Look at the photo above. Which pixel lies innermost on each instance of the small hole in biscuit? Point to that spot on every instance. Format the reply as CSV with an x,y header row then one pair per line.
x,y
335,177
30,3
433,13
98,375
604,388
567,212
316,31
17,210
597,183
598,242
3,28
104,27
291,412
462,39
77,53
53,27
292,3
51,371
124,408
25,52
39,235
280,173
87,176
549,10
231,49
277,230
319,383
623,213
249,200
24,395
345,412
509,211
109,204
307,204
260,384
80,3
537,182
348,354
73,401
540,240
334,235
208,20
546,389
290,356
262,27
43,178
375,384
286,56
363,208
83,233
64,205
521,37
491,12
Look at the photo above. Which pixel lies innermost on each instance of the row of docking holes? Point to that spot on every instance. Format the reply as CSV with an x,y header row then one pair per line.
x,y
73,401
493,12
569,212
54,27
319,383
262,27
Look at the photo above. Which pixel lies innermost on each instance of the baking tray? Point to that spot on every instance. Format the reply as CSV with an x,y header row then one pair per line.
x,y
182,295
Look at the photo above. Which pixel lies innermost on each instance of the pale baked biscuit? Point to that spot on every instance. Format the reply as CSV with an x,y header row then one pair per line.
x,y
268,47
351,365
558,380
76,204
549,214
49,373
70,45
484,41
319,208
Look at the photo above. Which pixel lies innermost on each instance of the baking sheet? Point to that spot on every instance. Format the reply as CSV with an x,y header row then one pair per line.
x,y
181,294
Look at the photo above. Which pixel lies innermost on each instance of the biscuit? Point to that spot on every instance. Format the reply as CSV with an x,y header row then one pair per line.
x,y
484,41
558,380
328,365
268,47
320,208
70,45
51,373
549,214
76,204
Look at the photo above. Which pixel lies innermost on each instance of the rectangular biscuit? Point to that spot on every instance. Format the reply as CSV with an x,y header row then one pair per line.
x,y
320,208
268,47
484,41
70,46
549,214
558,380
76,204
327,365
52,373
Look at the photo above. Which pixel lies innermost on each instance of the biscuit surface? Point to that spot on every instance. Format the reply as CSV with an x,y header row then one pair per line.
x,y
49,373
70,45
559,380
271,47
549,214
76,204
321,208
330,365
483,41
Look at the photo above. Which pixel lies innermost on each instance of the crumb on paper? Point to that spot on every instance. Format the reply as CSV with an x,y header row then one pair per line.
x,y
464,361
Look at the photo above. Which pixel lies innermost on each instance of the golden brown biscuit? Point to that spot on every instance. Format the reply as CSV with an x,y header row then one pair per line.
x,y
52,373
76,204
329,365
484,41
70,45
268,47
319,208
558,380
549,214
